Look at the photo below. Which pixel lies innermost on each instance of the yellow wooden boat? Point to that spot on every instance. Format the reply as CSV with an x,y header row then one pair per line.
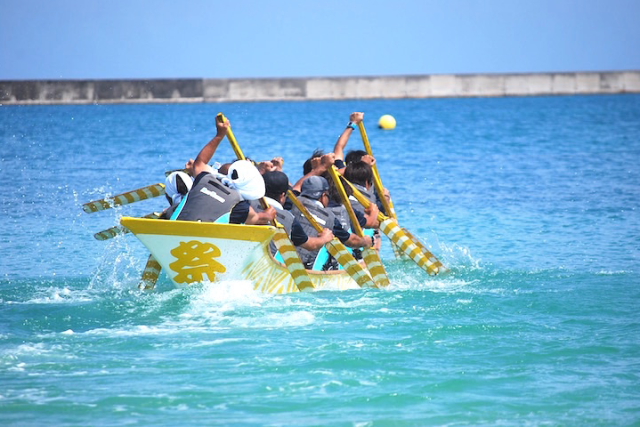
x,y
191,252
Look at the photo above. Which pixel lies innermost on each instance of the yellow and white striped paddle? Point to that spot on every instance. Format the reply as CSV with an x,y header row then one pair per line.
x,y
388,204
281,238
112,232
148,192
152,268
370,255
377,182
389,226
150,274
337,249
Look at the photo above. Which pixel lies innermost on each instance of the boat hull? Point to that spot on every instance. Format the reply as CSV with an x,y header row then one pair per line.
x,y
192,252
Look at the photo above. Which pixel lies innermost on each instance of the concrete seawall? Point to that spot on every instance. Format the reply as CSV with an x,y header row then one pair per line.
x,y
279,89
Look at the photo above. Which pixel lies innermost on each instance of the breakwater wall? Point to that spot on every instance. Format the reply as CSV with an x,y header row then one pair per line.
x,y
316,88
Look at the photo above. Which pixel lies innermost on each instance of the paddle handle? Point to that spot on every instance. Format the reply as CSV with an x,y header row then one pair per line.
x,y
240,155
281,238
377,182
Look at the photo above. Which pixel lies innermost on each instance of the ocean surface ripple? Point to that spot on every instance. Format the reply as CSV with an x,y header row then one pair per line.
x,y
532,203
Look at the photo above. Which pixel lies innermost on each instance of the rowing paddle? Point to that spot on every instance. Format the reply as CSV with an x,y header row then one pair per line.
x,y
377,182
167,173
148,192
112,232
150,274
281,238
370,255
389,226
152,268
388,204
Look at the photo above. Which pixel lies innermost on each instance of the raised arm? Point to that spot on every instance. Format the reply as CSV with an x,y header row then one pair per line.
x,y
319,167
201,163
342,141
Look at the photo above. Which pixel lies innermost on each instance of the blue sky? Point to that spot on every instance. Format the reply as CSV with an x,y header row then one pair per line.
x,y
114,39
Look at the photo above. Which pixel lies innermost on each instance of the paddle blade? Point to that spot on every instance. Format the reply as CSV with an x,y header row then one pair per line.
x,y
375,266
427,253
112,232
340,252
292,260
133,196
150,274
428,262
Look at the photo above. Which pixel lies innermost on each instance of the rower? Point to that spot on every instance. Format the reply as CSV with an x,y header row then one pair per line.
x,y
177,185
276,186
213,195
314,196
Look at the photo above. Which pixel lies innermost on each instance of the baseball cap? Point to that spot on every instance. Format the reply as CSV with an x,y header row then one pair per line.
x,y
314,186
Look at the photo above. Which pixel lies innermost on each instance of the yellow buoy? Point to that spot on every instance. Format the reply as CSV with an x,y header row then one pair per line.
x,y
387,122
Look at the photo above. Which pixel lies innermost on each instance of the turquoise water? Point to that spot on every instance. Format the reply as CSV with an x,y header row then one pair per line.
x,y
533,204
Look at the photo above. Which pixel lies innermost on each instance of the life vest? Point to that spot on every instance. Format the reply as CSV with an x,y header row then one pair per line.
x,y
341,214
208,200
282,216
369,194
324,217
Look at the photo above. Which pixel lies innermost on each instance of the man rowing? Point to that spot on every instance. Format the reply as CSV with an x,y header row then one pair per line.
x,y
276,186
214,195
314,195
